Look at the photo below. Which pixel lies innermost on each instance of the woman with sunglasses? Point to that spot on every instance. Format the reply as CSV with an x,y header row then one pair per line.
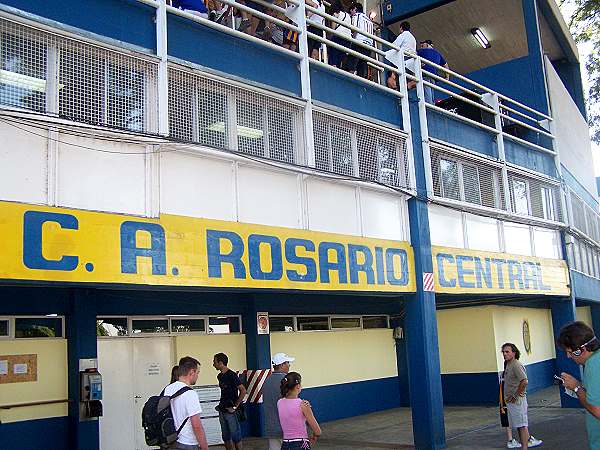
x,y
582,346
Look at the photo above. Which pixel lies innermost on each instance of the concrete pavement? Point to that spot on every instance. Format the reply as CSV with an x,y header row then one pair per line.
x,y
466,428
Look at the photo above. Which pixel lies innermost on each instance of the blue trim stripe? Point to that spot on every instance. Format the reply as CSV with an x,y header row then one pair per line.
x,y
47,434
353,399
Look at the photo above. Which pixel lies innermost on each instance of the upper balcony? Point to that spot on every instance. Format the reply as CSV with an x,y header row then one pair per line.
x,y
165,75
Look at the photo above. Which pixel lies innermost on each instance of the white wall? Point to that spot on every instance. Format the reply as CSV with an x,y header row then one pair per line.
x,y
120,177
572,132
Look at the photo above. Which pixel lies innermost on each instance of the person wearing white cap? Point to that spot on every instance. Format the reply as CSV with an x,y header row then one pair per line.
x,y
271,392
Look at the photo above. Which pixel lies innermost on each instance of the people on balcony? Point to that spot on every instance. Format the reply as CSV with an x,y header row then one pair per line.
x,y
337,57
196,7
360,20
430,53
313,18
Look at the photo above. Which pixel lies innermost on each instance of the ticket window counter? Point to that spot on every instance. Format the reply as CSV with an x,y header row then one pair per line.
x,y
136,355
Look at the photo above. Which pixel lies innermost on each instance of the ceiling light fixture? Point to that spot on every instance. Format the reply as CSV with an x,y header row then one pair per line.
x,y
251,133
480,38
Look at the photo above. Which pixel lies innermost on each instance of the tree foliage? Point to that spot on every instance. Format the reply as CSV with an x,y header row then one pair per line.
x,y
585,26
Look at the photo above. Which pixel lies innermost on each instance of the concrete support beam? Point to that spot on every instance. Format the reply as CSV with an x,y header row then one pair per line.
x,y
425,383
81,336
563,311
258,356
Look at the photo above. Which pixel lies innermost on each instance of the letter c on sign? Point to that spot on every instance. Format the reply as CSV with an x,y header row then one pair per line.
x,y
33,258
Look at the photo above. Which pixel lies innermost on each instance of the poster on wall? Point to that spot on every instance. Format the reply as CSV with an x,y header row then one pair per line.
x,y
262,322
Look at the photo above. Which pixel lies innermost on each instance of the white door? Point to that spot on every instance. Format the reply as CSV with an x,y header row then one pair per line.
x,y
115,363
132,370
152,362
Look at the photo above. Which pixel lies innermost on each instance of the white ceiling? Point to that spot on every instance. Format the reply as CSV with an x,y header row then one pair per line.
x,y
449,27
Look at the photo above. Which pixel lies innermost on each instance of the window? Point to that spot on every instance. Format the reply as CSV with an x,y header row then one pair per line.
x,y
186,325
38,327
548,204
345,322
449,179
370,322
111,326
281,323
584,257
517,239
471,185
23,72
520,196
576,255
150,326
312,323
224,324
4,328
482,233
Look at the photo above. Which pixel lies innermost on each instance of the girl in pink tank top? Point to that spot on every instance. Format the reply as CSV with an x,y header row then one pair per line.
x,y
294,414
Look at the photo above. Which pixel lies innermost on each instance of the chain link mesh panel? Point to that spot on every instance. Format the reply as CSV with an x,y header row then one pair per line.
x,y
470,180
352,148
45,72
224,116
578,210
531,196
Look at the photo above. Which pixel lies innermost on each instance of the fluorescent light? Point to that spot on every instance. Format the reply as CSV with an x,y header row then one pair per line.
x,y
480,37
51,315
372,15
248,132
24,81
177,315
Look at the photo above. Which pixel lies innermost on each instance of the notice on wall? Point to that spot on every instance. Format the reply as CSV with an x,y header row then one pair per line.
x,y
18,368
262,322
153,369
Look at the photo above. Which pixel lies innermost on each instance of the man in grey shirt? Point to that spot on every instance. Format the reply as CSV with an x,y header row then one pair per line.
x,y
271,392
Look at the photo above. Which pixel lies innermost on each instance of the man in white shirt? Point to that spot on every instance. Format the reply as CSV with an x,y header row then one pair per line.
x,y
361,21
407,43
187,406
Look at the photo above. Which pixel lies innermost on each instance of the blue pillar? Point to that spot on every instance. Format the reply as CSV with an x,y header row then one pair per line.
x,y
423,357
81,336
563,311
595,309
258,356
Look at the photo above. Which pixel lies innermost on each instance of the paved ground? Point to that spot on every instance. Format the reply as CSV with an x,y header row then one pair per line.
x,y
466,428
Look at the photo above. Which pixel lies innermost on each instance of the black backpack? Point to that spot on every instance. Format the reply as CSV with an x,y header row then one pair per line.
x,y
157,419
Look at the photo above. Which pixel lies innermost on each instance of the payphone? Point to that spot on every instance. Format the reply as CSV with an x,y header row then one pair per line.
x,y
90,382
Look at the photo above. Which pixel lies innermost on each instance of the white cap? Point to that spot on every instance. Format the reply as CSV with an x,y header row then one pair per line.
x,y
280,358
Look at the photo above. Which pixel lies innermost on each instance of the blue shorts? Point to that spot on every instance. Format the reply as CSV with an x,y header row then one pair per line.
x,y
230,426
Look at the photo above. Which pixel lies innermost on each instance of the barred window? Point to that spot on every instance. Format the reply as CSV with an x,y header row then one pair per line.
x,y
450,179
23,63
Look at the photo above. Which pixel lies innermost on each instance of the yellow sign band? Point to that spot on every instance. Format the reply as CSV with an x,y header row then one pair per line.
x,y
57,244
461,271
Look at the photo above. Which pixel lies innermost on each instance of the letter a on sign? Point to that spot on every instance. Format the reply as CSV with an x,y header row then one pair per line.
x,y
428,284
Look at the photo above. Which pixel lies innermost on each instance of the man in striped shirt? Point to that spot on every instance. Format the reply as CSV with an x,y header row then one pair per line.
x,y
360,20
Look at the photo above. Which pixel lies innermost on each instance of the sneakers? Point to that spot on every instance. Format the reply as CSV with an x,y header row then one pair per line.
x,y
513,444
533,442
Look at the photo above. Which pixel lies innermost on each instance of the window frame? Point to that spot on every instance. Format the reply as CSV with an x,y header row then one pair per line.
x,y
514,179
13,326
10,329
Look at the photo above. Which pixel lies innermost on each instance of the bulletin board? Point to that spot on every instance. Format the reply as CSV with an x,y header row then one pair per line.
x,y
18,368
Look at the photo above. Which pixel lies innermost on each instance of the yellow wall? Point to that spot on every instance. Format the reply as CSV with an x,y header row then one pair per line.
x,y
584,314
325,358
466,340
508,327
51,381
204,347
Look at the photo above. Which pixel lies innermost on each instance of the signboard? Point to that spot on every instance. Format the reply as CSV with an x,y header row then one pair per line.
x,y
262,322
56,244
462,271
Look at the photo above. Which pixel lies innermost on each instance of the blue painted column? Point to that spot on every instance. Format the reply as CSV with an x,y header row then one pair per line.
x,y
425,383
81,344
595,309
563,311
258,356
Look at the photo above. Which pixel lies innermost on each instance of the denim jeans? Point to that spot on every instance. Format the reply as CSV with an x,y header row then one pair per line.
x,y
230,426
